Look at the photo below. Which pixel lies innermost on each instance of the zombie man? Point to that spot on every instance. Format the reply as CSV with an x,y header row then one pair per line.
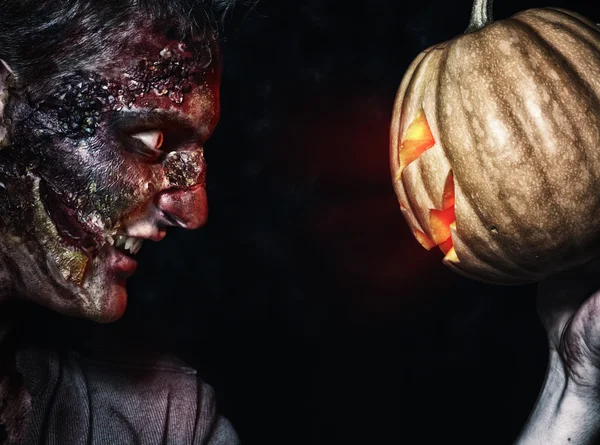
x,y
104,109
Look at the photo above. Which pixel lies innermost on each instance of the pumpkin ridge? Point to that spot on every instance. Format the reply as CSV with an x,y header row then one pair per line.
x,y
440,86
478,162
573,17
533,141
574,75
552,50
395,139
430,192
477,155
550,53
395,133
507,264
491,261
442,68
408,204
435,118
416,176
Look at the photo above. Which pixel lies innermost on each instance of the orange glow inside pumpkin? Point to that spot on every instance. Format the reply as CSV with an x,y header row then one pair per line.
x,y
448,192
417,140
441,221
423,239
451,256
446,246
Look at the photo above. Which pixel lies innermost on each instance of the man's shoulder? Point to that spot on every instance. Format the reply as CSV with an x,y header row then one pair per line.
x,y
151,376
123,395
141,390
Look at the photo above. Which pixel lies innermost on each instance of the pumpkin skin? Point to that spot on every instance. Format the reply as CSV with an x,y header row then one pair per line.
x,y
505,138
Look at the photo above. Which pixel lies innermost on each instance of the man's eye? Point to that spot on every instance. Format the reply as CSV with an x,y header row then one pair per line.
x,y
147,144
152,139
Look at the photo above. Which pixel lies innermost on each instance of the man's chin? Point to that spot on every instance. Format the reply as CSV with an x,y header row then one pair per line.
x,y
111,306
101,296
104,286
104,305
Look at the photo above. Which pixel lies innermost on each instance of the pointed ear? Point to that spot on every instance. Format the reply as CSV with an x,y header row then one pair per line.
x,y
7,78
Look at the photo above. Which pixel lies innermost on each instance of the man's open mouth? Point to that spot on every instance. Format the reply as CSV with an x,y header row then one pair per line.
x,y
128,244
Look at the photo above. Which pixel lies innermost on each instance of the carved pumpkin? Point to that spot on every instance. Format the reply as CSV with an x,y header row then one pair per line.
x,y
495,145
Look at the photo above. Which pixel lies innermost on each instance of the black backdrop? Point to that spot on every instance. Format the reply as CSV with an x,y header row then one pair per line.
x,y
305,302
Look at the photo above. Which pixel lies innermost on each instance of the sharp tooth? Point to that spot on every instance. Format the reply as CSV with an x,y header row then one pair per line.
x,y
110,240
129,243
120,241
138,245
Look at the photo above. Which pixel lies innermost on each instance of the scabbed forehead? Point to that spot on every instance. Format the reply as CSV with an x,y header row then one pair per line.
x,y
146,68
153,61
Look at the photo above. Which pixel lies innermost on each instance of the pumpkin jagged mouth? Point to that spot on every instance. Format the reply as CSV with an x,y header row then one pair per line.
x,y
417,140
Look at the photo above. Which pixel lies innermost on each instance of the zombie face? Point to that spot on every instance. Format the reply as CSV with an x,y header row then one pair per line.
x,y
108,157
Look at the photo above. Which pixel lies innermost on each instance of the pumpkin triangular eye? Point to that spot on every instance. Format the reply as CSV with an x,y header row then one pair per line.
x,y
418,138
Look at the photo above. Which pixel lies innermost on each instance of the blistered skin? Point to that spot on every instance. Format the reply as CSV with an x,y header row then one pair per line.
x,y
73,176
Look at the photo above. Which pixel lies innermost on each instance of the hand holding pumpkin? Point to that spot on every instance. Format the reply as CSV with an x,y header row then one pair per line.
x,y
568,408
569,308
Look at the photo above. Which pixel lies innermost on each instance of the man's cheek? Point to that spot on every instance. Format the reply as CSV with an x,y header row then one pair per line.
x,y
119,192
98,180
110,201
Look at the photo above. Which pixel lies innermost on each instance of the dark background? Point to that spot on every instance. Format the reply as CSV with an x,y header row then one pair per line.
x,y
305,301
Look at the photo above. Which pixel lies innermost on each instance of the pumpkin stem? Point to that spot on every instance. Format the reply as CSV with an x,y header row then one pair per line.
x,y
481,15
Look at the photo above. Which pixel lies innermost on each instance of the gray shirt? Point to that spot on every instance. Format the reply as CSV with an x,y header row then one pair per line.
x,y
118,401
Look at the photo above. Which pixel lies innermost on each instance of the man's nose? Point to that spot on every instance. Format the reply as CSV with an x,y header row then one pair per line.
x,y
184,207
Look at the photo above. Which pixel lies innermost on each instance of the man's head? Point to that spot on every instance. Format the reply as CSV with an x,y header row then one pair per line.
x,y
104,109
